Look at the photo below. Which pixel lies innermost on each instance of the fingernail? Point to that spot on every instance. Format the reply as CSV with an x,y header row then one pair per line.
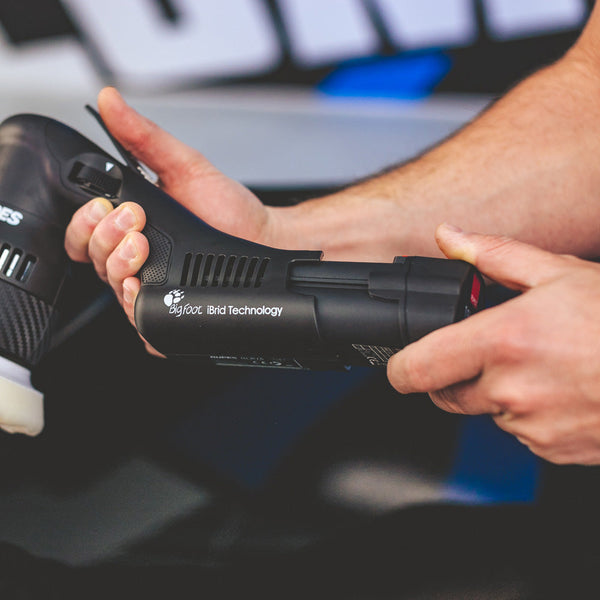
x,y
451,227
125,219
128,250
97,210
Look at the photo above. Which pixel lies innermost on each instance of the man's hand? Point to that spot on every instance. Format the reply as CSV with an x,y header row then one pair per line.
x,y
533,363
111,239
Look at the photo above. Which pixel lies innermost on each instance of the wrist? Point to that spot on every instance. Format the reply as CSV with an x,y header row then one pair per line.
x,y
353,224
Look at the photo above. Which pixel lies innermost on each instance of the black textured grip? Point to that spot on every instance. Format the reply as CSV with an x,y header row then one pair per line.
x,y
156,268
25,325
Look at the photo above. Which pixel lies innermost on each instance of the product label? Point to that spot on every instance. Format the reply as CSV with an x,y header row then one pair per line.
x,y
243,311
376,356
10,216
256,361
174,302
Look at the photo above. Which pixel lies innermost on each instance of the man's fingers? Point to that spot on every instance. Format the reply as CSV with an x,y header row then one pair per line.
x,y
444,357
465,398
168,157
449,365
109,233
82,225
130,289
510,263
124,262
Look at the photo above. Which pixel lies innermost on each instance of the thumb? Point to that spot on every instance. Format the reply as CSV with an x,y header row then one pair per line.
x,y
513,264
168,157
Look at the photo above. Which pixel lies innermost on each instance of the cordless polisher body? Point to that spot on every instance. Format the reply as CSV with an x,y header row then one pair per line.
x,y
205,295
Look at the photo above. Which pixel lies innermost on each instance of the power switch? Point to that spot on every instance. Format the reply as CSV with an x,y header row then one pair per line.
x,y
95,181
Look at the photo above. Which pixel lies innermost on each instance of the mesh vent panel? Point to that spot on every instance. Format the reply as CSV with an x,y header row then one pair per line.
x,y
156,267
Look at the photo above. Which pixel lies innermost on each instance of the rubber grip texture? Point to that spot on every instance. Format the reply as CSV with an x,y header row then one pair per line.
x,y
25,325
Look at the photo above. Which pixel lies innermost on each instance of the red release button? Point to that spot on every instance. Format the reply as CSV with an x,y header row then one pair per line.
x,y
475,291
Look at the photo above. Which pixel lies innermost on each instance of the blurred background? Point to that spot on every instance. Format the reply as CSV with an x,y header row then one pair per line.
x,y
201,67
148,463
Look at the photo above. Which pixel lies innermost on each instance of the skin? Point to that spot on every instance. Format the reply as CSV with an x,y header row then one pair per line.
x,y
530,362
524,175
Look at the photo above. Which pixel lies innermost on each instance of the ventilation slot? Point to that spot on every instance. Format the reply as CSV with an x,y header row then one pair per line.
x,y
26,268
210,270
4,254
262,268
186,269
14,264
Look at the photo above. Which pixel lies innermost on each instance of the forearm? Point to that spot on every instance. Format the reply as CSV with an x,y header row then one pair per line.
x,y
528,167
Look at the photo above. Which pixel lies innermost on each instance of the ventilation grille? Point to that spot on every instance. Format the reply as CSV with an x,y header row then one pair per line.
x,y
15,264
220,270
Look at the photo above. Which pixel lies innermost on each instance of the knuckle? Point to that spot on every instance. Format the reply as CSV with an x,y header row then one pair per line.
x,y
505,399
509,343
113,268
100,268
76,243
98,251
142,244
509,396
545,442
76,252
103,240
549,439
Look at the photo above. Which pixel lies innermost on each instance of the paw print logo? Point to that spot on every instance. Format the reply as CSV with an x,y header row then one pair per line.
x,y
173,297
